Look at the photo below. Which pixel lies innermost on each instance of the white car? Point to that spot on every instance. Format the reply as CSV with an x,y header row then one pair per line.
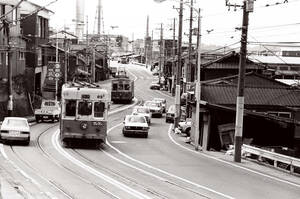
x,y
135,124
185,126
155,107
144,111
50,110
15,129
163,102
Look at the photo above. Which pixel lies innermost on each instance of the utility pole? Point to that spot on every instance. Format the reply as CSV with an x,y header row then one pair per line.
x,y
9,71
198,89
57,62
177,91
160,54
189,65
173,62
247,7
147,42
66,59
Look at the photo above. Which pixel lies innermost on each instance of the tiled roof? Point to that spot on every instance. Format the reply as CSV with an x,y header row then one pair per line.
x,y
230,61
226,95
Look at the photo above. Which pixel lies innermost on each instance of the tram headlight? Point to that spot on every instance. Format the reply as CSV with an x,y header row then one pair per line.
x,y
83,125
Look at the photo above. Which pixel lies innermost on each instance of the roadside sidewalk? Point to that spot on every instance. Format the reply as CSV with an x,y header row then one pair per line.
x,y
249,165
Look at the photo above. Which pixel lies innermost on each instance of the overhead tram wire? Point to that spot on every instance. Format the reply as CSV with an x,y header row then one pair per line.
x,y
274,54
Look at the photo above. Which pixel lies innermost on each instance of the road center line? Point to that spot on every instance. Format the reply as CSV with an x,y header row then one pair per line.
x,y
162,171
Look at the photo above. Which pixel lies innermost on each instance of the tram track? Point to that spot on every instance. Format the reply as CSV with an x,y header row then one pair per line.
x,y
55,185
119,175
75,174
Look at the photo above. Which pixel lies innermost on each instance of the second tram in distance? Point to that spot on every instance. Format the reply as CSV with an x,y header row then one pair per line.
x,y
122,90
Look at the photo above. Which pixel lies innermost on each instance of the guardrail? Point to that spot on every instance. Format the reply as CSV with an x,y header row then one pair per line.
x,y
276,157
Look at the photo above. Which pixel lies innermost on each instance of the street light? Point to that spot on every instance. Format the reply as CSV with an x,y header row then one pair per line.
x,y
198,85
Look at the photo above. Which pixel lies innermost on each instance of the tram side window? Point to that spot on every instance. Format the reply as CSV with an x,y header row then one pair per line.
x,y
85,108
126,87
115,87
71,108
99,109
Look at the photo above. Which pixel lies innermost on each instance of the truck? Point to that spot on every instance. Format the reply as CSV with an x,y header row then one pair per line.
x,y
50,110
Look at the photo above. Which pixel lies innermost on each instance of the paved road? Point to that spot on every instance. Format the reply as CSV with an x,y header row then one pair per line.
x,y
130,167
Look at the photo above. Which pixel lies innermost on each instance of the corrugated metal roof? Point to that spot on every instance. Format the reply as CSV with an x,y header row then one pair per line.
x,y
226,95
274,59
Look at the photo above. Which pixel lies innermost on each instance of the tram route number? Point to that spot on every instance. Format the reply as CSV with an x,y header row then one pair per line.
x,y
97,123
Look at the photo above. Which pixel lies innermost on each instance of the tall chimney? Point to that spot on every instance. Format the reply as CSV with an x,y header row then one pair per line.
x,y
79,18
99,16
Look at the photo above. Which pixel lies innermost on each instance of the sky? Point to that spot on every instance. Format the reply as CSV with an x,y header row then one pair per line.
x,y
278,22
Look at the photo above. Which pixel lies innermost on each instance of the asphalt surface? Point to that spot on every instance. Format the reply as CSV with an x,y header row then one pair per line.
x,y
167,153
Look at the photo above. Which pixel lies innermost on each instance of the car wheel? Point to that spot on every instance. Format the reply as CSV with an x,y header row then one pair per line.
x,y
27,142
37,119
167,121
146,135
188,131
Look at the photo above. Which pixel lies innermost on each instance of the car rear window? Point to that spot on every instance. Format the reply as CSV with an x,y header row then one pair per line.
x,y
142,110
136,119
18,123
152,104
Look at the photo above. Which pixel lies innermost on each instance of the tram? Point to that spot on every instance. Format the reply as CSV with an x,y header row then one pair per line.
x,y
84,113
122,90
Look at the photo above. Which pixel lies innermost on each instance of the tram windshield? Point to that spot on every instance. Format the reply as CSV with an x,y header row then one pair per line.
x,y
71,108
85,108
99,108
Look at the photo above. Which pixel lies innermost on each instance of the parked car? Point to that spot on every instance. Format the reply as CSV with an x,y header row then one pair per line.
x,y
170,115
154,86
155,107
185,126
135,124
144,111
163,102
15,129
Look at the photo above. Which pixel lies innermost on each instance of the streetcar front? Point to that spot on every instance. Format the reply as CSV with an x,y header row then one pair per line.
x,y
122,90
84,114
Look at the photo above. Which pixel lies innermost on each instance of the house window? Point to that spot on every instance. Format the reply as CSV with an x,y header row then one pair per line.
x,y
2,9
39,56
284,68
6,59
295,68
281,114
21,56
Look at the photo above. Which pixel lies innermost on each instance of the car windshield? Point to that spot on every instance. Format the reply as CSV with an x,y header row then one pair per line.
x,y
142,110
159,100
136,119
18,123
156,104
49,103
